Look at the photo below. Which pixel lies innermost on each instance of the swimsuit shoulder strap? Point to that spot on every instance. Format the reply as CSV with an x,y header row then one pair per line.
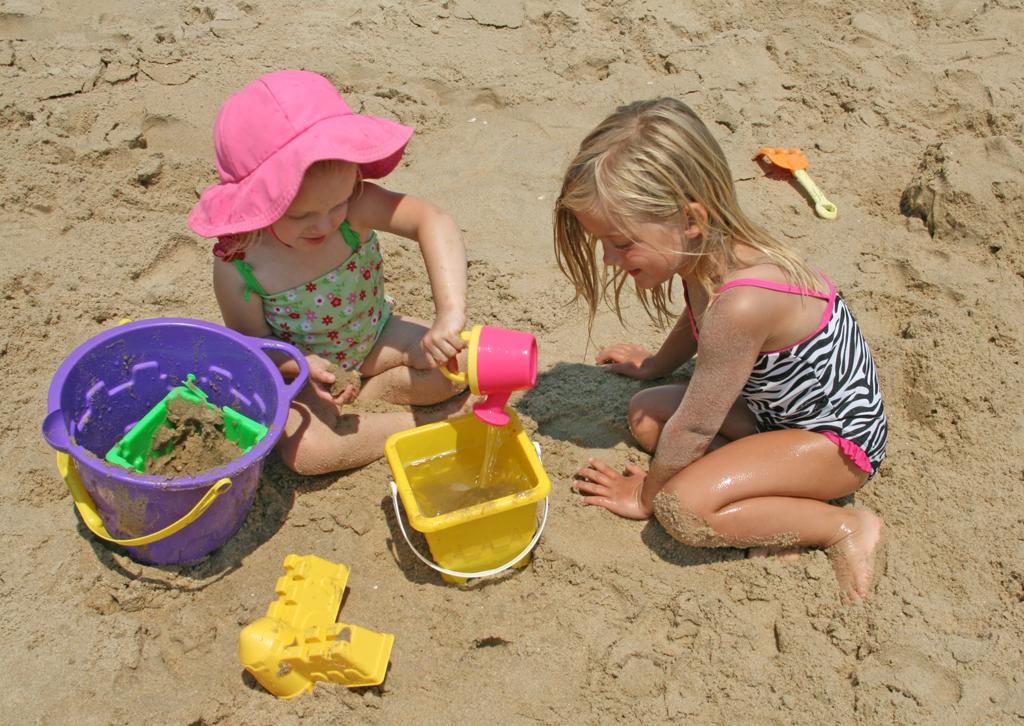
x,y
251,283
776,286
350,236
828,297
767,285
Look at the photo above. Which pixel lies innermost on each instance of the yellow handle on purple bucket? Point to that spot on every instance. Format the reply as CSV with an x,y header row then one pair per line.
x,y
87,507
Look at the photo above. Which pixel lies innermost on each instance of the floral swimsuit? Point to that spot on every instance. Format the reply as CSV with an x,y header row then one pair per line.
x,y
340,314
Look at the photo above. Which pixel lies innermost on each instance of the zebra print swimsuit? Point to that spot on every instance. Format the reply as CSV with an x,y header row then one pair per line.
x,y
824,383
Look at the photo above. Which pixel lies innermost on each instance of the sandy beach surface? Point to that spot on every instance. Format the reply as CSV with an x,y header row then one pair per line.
x,y
910,114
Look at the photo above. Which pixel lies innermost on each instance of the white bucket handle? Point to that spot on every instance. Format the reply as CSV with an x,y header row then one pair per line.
x,y
481,573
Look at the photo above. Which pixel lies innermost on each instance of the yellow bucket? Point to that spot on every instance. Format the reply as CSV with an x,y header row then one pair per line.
x,y
473,529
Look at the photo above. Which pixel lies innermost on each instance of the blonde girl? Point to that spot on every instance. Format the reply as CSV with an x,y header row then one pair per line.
x,y
783,412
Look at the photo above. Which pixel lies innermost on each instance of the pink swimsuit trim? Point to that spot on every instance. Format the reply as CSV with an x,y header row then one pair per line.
x,y
850,449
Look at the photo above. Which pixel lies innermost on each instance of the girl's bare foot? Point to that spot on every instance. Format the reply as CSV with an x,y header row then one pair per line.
x,y
782,554
852,554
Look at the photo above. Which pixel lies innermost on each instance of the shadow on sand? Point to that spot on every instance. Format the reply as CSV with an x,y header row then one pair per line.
x,y
584,404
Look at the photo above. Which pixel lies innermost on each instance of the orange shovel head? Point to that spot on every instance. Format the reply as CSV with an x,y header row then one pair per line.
x,y
792,159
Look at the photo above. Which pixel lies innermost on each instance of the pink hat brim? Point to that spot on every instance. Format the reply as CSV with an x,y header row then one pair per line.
x,y
375,144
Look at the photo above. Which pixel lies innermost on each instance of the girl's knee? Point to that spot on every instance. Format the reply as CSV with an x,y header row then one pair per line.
x,y
685,521
300,456
297,465
637,418
311,450
644,427
441,386
349,442
431,386
314,459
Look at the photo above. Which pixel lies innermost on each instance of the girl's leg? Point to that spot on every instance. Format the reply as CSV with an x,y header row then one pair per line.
x,y
318,438
771,489
397,370
652,407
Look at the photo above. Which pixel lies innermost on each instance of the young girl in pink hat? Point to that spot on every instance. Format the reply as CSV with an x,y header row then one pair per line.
x,y
298,259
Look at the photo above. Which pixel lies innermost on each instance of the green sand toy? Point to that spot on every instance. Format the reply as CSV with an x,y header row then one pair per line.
x,y
135,448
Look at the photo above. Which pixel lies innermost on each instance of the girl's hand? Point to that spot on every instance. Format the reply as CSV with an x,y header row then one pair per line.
x,y
321,379
618,493
444,339
630,360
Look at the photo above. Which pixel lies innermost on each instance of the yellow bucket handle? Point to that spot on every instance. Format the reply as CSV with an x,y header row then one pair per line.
x,y
87,507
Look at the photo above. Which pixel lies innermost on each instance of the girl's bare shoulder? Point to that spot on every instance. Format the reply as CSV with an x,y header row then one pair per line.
x,y
755,270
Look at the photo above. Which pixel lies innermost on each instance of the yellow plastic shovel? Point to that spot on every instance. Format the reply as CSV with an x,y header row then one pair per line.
x,y
795,161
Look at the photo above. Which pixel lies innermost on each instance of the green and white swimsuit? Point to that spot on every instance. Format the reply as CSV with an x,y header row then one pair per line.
x,y
340,314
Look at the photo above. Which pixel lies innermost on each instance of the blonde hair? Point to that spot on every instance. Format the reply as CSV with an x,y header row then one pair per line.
x,y
646,163
233,245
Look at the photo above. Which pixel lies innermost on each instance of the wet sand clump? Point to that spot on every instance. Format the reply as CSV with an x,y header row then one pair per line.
x,y
343,379
195,440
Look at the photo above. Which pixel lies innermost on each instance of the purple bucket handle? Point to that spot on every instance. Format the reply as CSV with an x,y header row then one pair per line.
x,y
292,389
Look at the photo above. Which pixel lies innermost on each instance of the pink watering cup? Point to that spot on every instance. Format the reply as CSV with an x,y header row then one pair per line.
x,y
500,361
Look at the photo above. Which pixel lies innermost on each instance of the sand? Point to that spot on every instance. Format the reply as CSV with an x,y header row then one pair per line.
x,y
910,114
194,442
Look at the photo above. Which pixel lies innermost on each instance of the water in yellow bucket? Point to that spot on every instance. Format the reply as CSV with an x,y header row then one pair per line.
x,y
448,482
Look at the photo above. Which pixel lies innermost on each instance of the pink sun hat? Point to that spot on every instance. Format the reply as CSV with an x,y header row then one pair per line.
x,y
270,132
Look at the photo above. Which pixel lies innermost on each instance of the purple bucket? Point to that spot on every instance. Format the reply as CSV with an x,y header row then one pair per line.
x,y
112,380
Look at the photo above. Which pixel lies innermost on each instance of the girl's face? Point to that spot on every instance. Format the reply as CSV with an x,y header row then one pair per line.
x,y
651,253
318,209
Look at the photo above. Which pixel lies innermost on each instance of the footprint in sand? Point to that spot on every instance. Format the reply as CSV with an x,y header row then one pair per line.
x,y
174,271
900,673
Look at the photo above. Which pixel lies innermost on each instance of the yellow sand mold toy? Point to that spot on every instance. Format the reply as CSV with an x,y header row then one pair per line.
x,y
299,642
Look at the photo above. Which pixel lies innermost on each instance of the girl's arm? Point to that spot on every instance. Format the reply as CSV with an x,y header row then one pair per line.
x,y
634,361
443,252
247,318
244,316
733,333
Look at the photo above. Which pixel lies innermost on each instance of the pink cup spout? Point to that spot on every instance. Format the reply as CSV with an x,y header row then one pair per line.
x,y
491,410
